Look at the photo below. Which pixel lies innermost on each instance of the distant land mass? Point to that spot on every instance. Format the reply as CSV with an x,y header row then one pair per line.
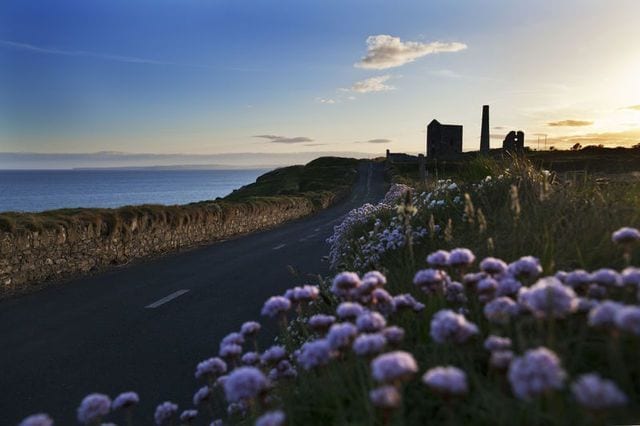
x,y
111,159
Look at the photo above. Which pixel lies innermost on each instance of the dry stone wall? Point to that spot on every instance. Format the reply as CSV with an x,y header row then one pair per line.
x,y
38,256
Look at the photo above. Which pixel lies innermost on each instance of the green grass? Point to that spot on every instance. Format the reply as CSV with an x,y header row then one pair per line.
x,y
319,181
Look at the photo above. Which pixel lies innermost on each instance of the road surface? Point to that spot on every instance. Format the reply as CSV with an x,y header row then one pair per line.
x,y
145,326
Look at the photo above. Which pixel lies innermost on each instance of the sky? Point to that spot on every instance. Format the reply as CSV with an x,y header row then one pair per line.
x,y
286,76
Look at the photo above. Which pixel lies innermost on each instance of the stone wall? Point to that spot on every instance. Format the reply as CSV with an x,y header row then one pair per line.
x,y
31,257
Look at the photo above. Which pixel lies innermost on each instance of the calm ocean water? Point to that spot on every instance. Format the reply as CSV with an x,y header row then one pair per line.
x,y
37,190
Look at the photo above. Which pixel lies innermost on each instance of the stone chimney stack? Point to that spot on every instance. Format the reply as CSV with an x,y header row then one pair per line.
x,y
484,136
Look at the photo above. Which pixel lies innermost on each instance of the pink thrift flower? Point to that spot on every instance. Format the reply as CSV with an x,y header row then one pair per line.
x,y
125,400
386,397
595,393
37,420
449,381
165,413
93,407
538,371
447,326
245,383
393,367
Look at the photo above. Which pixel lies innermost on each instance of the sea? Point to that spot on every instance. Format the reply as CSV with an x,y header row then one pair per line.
x,y
39,190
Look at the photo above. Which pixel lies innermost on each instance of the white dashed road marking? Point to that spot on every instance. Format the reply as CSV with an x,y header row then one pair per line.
x,y
166,299
278,247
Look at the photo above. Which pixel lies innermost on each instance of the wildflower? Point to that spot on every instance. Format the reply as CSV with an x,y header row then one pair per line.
x,y
461,257
449,381
585,304
344,283
230,351
393,367
271,418
212,368
631,276
202,395
407,301
596,291
125,400
527,267
382,301
493,266
386,397
486,288
93,407
473,278
497,343
628,319
375,277
276,305
508,286
577,278
447,326
394,335
237,409
165,413
349,310
273,355
536,372
283,370
606,277
454,292
370,322
302,294
500,360
188,416
245,383
548,298
501,310
321,323
429,280
315,354
250,328
604,314
595,393
217,422
341,335
625,236
438,259
232,338
37,420
369,344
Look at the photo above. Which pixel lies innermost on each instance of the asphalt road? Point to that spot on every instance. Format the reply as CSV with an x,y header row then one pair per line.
x,y
145,326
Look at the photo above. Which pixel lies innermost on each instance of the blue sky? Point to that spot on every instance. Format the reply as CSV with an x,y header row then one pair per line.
x,y
213,76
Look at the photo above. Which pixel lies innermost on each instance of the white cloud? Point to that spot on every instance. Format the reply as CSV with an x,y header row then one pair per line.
x,y
284,139
328,101
373,84
385,51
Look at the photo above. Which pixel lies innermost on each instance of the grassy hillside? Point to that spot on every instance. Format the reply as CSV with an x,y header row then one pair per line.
x,y
319,180
590,160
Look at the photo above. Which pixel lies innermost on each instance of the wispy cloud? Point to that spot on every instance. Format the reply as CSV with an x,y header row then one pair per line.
x,y
107,56
633,107
625,138
84,53
377,141
373,84
284,139
570,123
385,51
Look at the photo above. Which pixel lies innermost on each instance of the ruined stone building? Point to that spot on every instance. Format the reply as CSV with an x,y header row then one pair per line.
x,y
443,140
514,141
